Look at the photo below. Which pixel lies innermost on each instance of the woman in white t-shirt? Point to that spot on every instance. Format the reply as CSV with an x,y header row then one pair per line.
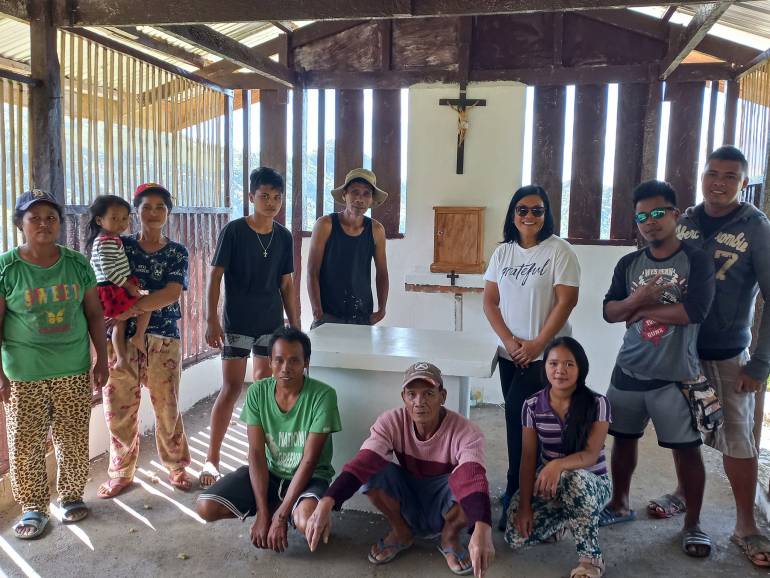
x,y
531,288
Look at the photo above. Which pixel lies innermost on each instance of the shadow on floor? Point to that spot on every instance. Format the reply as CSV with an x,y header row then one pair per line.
x,y
152,529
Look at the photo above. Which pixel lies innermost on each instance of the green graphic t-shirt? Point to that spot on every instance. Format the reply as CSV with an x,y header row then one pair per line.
x,y
285,433
45,333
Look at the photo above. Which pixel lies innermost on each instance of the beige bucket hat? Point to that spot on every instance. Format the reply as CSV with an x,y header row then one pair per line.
x,y
364,175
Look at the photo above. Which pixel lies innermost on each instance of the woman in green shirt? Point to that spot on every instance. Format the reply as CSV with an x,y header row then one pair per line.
x,y
49,307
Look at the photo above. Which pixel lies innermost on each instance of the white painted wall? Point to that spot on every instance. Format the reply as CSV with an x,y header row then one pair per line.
x,y
493,162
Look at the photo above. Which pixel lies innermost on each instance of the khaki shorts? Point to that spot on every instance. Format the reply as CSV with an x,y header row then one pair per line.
x,y
736,437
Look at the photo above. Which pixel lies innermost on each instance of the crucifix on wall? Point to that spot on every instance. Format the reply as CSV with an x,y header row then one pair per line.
x,y
462,107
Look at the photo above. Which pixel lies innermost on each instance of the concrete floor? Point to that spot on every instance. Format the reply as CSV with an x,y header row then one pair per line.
x,y
152,530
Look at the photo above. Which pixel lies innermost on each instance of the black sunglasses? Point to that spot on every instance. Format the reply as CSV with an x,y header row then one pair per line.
x,y
656,214
524,211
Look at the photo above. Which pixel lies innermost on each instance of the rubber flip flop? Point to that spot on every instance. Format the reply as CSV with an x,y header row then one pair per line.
x,y
72,512
36,520
695,538
460,556
607,517
381,545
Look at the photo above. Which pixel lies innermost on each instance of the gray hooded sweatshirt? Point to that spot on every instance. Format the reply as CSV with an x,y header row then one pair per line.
x,y
741,251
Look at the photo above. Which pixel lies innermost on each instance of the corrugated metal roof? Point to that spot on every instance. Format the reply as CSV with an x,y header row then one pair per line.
x,y
751,18
15,43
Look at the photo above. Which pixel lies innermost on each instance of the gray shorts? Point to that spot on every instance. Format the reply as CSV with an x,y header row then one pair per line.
x,y
238,346
665,406
736,436
424,501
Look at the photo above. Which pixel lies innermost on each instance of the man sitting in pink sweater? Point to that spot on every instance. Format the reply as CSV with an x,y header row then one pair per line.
x,y
438,487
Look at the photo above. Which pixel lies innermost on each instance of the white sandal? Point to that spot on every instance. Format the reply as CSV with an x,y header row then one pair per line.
x,y
210,470
595,570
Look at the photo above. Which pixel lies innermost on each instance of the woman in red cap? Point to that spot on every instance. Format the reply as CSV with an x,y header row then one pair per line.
x,y
160,265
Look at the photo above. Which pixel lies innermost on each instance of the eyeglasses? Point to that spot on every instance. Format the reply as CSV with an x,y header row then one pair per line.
x,y
656,214
536,211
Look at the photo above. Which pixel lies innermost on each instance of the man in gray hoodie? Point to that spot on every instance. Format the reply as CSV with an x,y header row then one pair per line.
x,y
738,236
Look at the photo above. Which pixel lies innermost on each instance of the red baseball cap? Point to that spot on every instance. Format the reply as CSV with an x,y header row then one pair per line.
x,y
145,188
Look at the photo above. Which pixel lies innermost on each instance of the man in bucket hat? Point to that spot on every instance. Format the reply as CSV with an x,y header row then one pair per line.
x,y
341,251
437,487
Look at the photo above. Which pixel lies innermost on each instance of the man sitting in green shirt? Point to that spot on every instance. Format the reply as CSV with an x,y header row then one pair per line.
x,y
290,419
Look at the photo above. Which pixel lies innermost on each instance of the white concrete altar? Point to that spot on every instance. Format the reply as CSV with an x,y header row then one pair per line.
x,y
366,365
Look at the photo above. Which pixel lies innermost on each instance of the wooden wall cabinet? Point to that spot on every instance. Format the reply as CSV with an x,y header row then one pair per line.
x,y
458,240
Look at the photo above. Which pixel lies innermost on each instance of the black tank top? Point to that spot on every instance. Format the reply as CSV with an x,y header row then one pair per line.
x,y
346,273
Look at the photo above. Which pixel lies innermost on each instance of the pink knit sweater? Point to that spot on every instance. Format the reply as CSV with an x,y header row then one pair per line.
x,y
456,449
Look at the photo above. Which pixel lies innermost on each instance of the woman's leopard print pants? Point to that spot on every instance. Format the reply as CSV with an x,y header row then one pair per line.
x,y
62,404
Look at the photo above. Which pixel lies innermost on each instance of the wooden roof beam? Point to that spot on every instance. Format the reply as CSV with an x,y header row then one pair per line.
x,y
162,46
705,17
238,53
152,12
755,63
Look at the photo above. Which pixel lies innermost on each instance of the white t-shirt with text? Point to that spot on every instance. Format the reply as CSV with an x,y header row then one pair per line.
x,y
526,278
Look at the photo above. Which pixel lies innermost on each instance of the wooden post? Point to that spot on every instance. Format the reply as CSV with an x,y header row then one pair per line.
x,y
684,138
732,88
272,140
45,104
632,105
348,133
246,103
297,201
712,116
386,157
548,145
585,200
321,160
228,147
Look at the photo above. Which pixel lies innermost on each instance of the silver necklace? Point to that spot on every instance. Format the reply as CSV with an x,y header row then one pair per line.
x,y
264,249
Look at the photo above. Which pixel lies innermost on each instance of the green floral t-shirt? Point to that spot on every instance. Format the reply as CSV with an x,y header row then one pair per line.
x,y
45,332
285,433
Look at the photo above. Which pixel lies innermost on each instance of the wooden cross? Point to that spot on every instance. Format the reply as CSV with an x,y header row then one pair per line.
x,y
461,106
452,277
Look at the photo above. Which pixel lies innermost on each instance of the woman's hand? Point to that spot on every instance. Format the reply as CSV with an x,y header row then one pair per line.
x,y
525,520
100,373
5,387
529,350
548,480
512,345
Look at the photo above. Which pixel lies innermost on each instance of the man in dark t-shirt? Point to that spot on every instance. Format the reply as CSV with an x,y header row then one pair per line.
x,y
254,254
662,293
342,247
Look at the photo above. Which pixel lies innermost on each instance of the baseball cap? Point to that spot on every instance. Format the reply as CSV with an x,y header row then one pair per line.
x,y
151,188
29,198
425,371
361,175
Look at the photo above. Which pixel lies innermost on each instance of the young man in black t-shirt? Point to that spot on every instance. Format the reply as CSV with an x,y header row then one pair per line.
x,y
254,254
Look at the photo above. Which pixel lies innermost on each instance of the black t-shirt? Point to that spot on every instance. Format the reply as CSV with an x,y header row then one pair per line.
x,y
253,304
709,225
